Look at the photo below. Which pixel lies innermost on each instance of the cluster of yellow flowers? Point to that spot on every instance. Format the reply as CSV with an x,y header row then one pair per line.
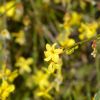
x,y
70,20
12,9
6,77
5,90
42,77
52,55
42,81
75,23
64,40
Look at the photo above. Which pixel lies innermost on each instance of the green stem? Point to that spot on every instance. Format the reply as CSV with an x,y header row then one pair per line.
x,y
97,37
98,68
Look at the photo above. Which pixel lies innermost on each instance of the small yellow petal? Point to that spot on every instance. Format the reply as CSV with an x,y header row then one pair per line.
x,y
48,47
55,58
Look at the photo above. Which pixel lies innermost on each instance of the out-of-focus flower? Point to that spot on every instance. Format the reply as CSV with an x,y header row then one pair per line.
x,y
64,40
8,8
43,93
24,64
52,53
20,37
54,66
92,98
71,19
5,34
88,30
26,20
68,42
57,82
41,79
6,73
18,11
5,90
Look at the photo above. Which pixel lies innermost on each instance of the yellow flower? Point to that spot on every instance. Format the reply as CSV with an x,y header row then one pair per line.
x,y
20,37
41,79
6,73
5,34
5,90
26,20
75,18
54,66
68,42
88,30
92,98
8,8
72,18
24,64
43,93
52,53
64,40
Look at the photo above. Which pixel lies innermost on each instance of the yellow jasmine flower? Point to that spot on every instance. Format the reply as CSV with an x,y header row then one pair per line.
x,y
72,18
6,73
68,42
5,34
20,37
5,90
41,79
8,8
64,40
26,20
54,66
24,64
87,30
75,18
52,53
43,93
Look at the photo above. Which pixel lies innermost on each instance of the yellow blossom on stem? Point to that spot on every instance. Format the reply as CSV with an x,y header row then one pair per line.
x,y
41,79
8,8
43,93
67,43
54,66
52,53
24,64
20,37
7,74
64,39
72,18
87,30
5,90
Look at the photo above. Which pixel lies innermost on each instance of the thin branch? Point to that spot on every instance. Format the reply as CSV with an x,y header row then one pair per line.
x,y
97,37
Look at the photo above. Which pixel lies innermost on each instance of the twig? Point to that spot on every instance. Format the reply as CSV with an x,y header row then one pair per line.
x,y
97,37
